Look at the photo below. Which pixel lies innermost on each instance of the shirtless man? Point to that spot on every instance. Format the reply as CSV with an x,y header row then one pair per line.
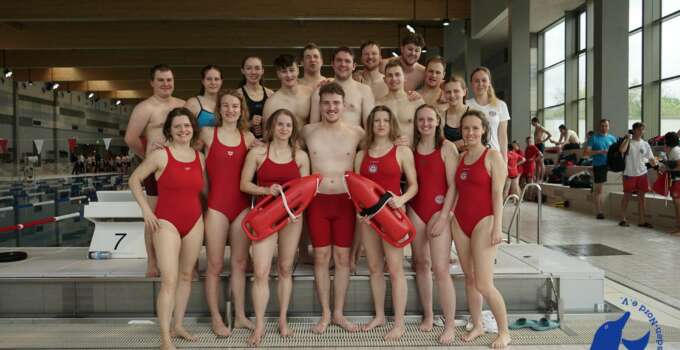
x,y
397,100
541,135
311,63
370,75
411,48
358,100
332,145
291,96
568,139
146,121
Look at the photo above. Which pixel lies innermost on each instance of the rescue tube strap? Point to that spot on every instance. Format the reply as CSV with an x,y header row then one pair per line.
x,y
370,211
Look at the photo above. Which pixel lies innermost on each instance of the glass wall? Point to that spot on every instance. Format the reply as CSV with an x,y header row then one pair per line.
x,y
634,62
552,73
670,66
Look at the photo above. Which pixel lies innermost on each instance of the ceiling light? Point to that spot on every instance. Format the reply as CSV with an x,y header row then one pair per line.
x,y
90,95
8,73
394,54
119,102
410,28
446,22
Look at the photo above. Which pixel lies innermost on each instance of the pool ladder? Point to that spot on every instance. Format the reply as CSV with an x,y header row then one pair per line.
x,y
517,201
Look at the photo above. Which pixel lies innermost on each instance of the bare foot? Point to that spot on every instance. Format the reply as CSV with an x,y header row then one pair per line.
x,y
322,325
344,323
219,328
255,338
244,322
395,333
475,332
167,345
426,324
180,331
375,322
502,341
448,335
284,330
152,269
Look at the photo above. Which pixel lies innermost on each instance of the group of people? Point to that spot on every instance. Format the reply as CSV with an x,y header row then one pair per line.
x,y
94,163
231,145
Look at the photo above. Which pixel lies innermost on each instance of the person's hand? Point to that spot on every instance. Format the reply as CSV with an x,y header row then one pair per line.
x,y
496,237
257,120
157,145
402,141
256,143
439,225
275,189
323,82
396,202
413,95
151,221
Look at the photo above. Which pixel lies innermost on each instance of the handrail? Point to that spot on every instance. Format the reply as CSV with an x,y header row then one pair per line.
x,y
516,201
540,204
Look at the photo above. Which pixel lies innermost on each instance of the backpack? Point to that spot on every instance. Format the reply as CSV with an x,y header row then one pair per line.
x,y
580,180
616,162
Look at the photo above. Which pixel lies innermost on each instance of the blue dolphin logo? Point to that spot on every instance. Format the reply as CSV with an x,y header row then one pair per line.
x,y
610,335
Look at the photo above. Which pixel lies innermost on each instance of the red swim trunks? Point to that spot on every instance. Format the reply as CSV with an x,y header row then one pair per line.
x,y
331,219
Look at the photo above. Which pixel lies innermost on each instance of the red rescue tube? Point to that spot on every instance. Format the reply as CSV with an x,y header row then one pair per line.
x,y
392,225
271,214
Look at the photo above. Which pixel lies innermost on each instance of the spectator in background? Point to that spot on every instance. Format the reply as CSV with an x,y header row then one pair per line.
x,y
531,154
638,153
673,151
541,136
598,146
568,139
515,161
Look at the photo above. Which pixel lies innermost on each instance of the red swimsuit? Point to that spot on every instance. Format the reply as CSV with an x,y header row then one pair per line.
x,y
180,183
224,164
384,171
473,184
271,173
432,185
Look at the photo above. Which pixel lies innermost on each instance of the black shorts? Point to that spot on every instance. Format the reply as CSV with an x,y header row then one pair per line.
x,y
571,146
541,146
599,174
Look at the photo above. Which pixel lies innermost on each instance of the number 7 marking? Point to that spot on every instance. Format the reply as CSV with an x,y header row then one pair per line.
x,y
122,235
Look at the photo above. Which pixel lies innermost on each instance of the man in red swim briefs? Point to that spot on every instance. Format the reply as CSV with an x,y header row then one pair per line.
x,y
144,134
332,145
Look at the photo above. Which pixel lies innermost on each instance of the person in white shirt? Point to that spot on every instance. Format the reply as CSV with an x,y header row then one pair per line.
x,y
495,110
637,153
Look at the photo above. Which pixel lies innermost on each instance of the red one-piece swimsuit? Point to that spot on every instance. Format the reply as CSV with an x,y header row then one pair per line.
x,y
473,185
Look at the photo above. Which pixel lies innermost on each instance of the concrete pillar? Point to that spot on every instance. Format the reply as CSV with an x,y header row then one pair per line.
x,y
651,73
571,70
518,98
15,128
611,64
473,56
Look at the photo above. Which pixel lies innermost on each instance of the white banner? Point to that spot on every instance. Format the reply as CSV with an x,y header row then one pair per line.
x,y
107,142
38,145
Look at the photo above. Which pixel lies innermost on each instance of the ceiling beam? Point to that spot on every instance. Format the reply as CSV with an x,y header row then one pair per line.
x,y
134,10
145,58
203,34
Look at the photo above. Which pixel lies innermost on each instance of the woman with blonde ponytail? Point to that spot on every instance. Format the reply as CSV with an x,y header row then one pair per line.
x,y
495,110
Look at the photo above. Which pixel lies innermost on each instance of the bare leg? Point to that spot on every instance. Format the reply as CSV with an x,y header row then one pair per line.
x,y
239,262
624,205
322,259
216,230
340,285
168,242
151,261
423,265
641,209
191,247
395,262
440,249
598,193
474,298
263,251
376,262
288,240
483,254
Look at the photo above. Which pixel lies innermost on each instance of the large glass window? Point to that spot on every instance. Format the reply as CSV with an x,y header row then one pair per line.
x,y
670,105
582,69
554,45
670,48
634,14
553,75
634,62
634,105
669,6
635,59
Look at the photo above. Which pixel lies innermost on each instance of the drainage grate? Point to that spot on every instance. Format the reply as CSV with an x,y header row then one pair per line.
x,y
123,336
587,250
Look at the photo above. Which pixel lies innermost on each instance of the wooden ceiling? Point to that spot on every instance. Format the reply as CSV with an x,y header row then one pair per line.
x,y
107,46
